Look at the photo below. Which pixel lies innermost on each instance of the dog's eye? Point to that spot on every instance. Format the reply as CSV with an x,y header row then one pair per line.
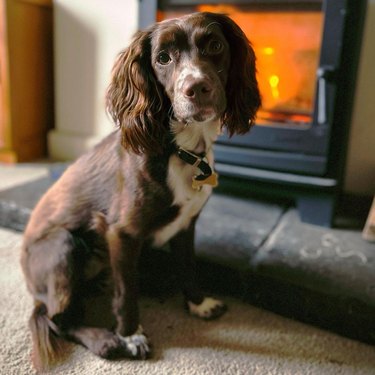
x,y
214,47
164,58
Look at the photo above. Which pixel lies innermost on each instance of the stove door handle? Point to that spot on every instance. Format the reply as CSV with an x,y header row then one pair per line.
x,y
324,74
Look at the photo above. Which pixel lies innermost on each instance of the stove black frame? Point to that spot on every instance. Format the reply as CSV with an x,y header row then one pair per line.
x,y
306,165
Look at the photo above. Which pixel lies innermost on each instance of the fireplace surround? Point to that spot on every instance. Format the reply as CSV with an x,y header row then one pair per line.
x,y
307,57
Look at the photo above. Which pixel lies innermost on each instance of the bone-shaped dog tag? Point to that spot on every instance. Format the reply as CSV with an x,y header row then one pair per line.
x,y
210,180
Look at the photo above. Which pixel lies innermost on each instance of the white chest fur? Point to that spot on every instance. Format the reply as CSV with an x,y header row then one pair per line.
x,y
180,176
190,201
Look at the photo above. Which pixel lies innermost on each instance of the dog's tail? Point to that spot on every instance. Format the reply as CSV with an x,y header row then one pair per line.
x,y
48,347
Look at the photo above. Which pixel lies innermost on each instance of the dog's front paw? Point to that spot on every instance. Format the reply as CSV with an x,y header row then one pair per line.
x,y
209,309
136,345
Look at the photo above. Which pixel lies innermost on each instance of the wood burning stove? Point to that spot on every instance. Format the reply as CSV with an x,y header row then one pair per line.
x,y
307,55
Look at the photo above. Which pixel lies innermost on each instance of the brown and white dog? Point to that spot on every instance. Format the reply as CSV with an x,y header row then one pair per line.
x,y
177,85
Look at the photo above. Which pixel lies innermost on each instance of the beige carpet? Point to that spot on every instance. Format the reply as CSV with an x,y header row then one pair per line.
x,y
246,340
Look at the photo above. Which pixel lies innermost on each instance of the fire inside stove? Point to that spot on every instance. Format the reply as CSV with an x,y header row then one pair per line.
x,y
287,45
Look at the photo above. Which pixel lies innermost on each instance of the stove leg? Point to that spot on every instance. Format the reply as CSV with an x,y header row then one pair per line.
x,y
318,210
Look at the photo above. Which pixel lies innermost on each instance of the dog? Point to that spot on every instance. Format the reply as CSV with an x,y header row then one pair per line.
x,y
173,90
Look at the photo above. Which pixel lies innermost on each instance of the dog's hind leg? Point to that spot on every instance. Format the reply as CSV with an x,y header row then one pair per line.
x,y
48,267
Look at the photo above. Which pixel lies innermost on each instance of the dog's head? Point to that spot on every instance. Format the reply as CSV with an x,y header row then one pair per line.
x,y
197,68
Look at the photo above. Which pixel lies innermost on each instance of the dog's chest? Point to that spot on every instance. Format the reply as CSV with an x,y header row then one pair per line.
x,y
189,200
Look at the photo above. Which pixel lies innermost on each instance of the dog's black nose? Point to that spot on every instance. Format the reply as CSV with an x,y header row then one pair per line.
x,y
195,89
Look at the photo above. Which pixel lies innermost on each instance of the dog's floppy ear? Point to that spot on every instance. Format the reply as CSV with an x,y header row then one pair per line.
x,y
243,97
135,99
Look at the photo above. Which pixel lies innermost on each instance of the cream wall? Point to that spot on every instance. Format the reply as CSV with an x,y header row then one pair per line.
x,y
360,170
88,36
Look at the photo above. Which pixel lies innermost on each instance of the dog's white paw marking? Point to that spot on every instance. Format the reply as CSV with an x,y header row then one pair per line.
x,y
210,308
137,344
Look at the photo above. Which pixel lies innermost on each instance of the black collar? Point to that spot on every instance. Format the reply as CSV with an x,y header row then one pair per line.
x,y
207,177
197,161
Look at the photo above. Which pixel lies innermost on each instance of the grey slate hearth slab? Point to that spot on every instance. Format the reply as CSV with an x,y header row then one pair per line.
x,y
230,230
16,203
317,275
334,261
